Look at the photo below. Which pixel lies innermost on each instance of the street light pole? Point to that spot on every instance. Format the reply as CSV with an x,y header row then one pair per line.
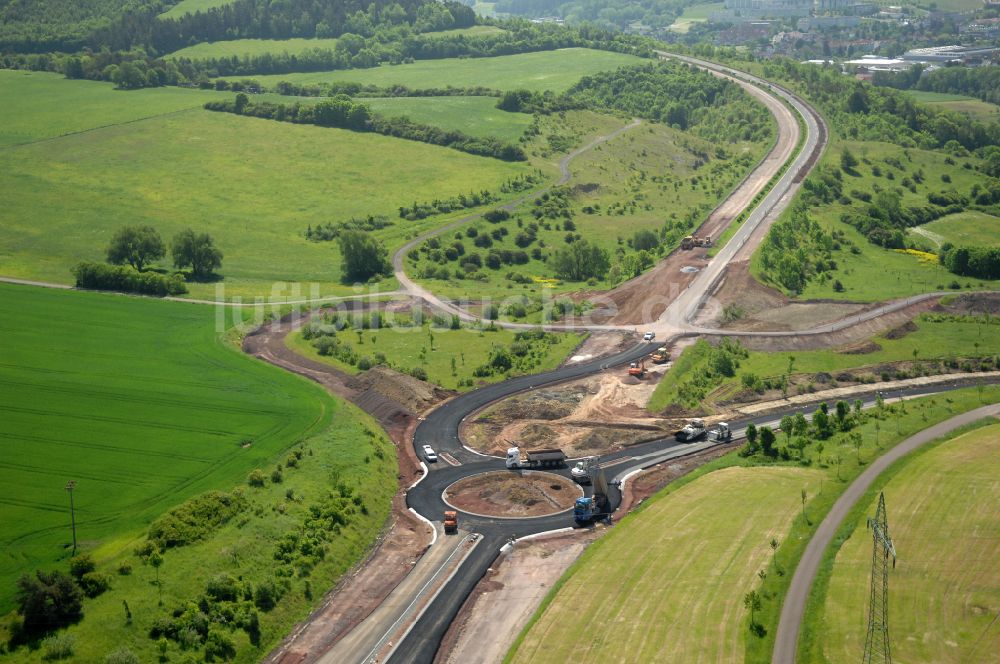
x,y
72,512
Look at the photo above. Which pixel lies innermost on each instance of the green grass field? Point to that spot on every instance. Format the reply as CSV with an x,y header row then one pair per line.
x,y
241,47
436,351
696,14
545,70
976,108
192,6
137,400
475,116
877,274
40,105
667,583
945,589
970,229
255,185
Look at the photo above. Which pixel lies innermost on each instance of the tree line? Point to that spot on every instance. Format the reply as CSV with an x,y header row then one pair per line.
x,y
133,248
344,113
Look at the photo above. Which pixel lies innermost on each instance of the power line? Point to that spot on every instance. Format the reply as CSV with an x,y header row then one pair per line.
x,y
877,641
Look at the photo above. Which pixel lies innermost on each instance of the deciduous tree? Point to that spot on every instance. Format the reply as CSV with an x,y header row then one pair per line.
x,y
136,245
197,251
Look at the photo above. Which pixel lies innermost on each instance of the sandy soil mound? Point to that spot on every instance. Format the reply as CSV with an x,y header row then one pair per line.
x,y
513,494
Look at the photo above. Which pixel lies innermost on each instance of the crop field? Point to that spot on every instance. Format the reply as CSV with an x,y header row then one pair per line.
x,y
254,185
449,357
970,228
945,588
544,70
680,568
140,403
876,273
475,116
40,105
976,108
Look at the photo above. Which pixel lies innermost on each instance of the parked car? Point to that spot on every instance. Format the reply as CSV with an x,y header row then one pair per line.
x,y
430,454
649,336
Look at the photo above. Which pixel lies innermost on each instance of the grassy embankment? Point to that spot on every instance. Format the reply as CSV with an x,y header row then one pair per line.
x,y
945,588
144,405
448,357
254,185
543,70
835,459
870,272
929,345
667,583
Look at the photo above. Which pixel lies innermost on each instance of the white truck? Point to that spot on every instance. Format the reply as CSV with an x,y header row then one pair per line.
x,y
544,458
581,472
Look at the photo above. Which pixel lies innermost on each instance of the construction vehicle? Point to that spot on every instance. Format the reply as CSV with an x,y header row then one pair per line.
x,y
660,355
722,434
596,506
637,369
691,432
450,522
692,241
581,471
545,458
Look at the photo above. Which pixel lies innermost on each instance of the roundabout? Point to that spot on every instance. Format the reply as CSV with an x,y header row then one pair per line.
x,y
503,494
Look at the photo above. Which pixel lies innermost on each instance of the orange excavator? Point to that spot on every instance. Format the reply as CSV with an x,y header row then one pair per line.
x,y
637,369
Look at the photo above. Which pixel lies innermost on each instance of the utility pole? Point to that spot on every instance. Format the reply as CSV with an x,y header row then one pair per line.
x,y
72,512
877,641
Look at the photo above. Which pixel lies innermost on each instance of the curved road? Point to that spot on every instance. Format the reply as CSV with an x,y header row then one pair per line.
x,y
441,427
793,608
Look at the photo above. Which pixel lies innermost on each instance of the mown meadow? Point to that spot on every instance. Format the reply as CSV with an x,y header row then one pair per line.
x,y
543,70
254,185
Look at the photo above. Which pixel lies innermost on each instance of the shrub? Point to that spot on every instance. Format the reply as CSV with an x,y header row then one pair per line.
x,y
219,646
94,583
419,373
124,568
267,594
122,656
58,646
80,565
222,588
196,518
99,276
256,478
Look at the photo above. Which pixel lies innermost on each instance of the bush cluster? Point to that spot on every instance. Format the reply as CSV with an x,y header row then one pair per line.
x,y
195,518
101,276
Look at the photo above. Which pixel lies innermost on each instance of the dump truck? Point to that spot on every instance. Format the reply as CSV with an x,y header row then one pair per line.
x,y
637,369
450,522
692,241
691,432
544,458
590,509
660,355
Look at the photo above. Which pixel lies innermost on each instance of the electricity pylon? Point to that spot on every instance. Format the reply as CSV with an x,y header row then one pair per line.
x,y
877,641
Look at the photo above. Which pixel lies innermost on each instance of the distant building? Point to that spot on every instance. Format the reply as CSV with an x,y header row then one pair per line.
x,y
769,8
955,54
